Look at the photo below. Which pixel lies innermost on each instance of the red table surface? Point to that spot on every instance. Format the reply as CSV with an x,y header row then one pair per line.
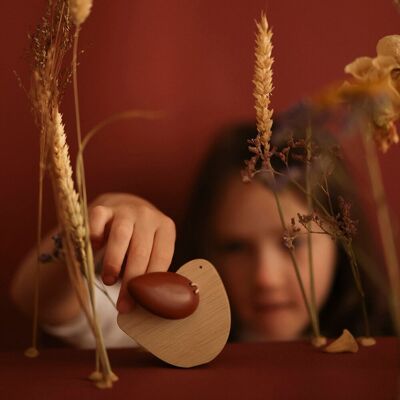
x,y
293,370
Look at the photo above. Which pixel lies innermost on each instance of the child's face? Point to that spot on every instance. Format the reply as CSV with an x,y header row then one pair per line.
x,y
255,265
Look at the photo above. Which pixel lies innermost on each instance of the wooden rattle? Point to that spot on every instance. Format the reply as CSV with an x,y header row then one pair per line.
x,y
183,319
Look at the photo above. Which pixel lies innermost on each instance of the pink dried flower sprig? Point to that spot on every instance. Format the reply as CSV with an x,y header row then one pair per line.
x,y
340,227
346,224
259,161
293,151
291,234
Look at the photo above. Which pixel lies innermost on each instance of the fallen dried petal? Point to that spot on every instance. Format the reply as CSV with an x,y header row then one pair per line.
x,y
366,341
32,352
344,343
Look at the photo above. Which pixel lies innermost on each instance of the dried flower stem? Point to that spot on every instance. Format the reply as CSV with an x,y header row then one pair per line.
x,y
101,353
313,302
130,114
326,190
385,226
357,279
76,103
33,350
42,168
344,242
293,258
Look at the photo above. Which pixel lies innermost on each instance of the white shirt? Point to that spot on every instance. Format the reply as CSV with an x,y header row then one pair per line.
x,y
78,333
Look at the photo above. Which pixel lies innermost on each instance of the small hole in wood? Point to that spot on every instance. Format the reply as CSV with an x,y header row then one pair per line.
x,y
200,266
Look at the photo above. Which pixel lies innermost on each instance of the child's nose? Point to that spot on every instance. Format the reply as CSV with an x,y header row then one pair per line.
x,y
270,270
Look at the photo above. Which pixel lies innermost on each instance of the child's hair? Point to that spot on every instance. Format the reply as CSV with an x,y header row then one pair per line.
x,y
225,158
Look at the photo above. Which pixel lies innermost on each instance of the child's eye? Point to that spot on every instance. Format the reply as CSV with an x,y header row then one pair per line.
x,y
232,247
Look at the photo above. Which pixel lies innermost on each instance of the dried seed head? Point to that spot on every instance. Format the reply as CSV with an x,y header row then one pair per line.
x,y
68,199
80,10
263,80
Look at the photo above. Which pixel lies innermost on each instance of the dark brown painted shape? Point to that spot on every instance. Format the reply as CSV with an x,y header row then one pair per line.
x,y
166,294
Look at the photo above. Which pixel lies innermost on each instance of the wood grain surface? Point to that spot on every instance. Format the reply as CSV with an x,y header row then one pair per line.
x,y
191,341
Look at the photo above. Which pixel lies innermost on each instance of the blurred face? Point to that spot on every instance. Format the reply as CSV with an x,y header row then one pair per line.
x,y
255,264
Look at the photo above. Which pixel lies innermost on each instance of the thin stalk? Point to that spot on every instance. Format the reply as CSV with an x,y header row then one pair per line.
x,y
385,227
292,255
101,351
328,195
77,111
356,275
309,237
130,114
33,350
103,290
348,249
304,191
56,66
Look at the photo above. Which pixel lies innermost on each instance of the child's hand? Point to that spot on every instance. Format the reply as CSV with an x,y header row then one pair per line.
x,y
137,238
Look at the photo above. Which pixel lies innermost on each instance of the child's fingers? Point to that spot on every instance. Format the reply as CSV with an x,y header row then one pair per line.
x,y
163,247
117,245
99,216
138,259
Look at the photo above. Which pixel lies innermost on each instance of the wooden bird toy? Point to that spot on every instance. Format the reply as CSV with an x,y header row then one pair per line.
x,y
182,318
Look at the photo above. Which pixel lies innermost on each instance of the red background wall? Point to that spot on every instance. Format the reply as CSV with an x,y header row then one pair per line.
x,y
194,60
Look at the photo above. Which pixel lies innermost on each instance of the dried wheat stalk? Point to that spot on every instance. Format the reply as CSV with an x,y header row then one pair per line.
x,y
263,81
261,147
50,43
75,237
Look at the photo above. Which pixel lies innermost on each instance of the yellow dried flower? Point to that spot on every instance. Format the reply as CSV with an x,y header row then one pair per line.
x,y
389,46
367,69
379,79
80,10
263,81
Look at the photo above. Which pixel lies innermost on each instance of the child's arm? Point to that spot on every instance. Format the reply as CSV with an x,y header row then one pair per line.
x,y
129,228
